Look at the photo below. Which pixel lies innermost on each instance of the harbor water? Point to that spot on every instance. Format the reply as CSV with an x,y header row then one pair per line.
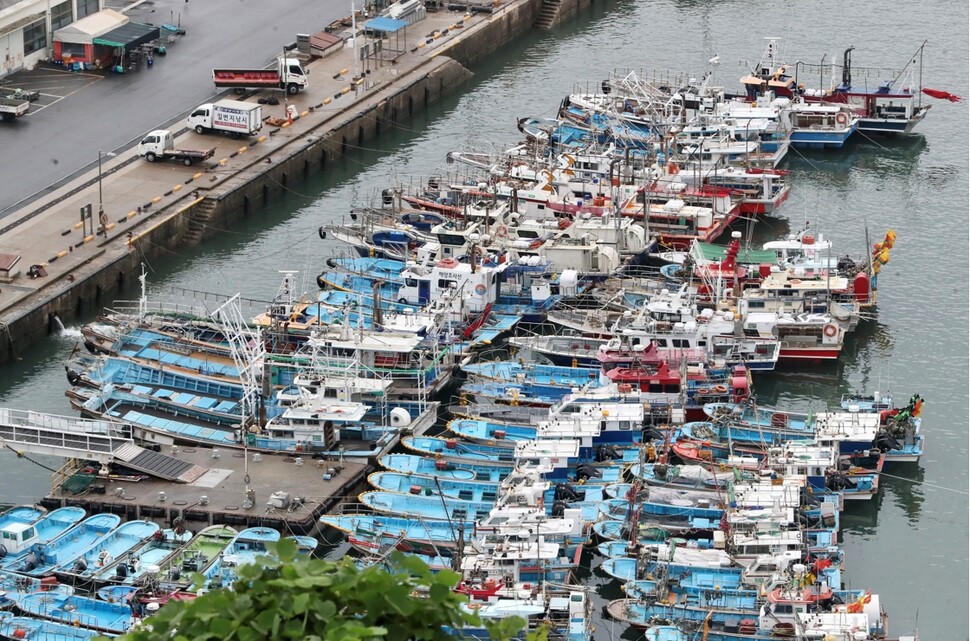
x,y
910,543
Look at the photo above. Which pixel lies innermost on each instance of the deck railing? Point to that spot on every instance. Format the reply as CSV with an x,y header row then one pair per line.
x,y
61,435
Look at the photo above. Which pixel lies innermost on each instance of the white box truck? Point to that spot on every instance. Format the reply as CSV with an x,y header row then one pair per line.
x,y
234,117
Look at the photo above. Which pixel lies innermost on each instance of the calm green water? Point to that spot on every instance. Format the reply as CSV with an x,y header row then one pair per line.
x,y
910,544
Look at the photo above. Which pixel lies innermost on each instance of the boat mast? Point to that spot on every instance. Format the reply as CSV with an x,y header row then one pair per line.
x,y
821,70
459,539
143,299
920,103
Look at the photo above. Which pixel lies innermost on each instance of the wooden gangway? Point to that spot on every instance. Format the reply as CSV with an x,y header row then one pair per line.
x,y
90,440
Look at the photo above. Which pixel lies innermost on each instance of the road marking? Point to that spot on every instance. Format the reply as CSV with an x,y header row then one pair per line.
x,y
57,98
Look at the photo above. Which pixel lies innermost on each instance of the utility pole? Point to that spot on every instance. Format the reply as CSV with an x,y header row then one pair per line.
x,y
353,33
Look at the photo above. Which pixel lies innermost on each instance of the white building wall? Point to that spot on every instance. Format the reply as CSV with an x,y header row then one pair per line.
x,y
12,57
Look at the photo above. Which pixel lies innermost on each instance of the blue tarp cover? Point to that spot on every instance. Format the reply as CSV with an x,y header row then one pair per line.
x,y
383,23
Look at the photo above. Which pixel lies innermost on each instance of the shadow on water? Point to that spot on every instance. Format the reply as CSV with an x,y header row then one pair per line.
x,y
904,483
861,517
871,340
809,385
880,156
823,384
901,484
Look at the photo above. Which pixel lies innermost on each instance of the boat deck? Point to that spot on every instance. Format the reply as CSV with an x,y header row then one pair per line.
x,y
224,488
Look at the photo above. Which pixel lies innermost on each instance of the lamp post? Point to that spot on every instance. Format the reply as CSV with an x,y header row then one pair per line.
x,y
101,216
105,154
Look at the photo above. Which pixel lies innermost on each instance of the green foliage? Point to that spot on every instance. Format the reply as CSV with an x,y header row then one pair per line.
x,y
286,597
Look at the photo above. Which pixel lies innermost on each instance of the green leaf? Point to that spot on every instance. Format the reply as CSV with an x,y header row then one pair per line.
x,y
439,592
220,628
447,577
410,564
300,603
285,550
319,600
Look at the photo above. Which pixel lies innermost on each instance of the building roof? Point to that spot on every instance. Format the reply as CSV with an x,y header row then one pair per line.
x,y
128,35
85,30
385,24
6,4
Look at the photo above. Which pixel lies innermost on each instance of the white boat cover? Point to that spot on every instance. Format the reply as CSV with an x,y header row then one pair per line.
x,y
85,30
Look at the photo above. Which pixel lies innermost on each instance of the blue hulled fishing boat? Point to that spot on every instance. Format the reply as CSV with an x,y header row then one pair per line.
x,y
117,593
31,629
377,533
413,465
19,517
84,612
108,549
815,613
429,507
513,371
462,490
154,551
489,432
17,540
42,558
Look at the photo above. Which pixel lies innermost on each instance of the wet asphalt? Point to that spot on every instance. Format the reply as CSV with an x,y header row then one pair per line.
x,y
80,114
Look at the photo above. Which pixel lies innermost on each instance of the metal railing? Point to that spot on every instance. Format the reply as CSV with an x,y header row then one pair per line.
x,y
61,435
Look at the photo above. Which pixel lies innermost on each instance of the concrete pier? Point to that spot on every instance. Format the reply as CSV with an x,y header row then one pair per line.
x,y
219,496
152,208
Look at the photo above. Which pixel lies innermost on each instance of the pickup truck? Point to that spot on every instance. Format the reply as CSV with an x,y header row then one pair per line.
x,y
289,74
11,108
159,145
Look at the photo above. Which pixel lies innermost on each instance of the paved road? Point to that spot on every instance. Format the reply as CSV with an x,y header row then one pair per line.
x,y
108,113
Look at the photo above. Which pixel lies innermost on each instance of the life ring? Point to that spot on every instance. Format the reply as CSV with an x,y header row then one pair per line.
x,y
673,169
830,330
502,231
703,391
480,289
719,389
448,263
841,118
795,281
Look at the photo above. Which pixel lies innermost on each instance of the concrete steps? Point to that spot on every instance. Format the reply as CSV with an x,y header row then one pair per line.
x,y
548,14
199,219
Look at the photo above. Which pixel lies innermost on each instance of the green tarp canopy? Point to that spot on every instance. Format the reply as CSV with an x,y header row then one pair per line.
x,y
747,256
129,36
78,482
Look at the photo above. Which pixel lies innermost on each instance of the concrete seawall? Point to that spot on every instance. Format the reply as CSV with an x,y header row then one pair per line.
x,y
270,167
259,184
